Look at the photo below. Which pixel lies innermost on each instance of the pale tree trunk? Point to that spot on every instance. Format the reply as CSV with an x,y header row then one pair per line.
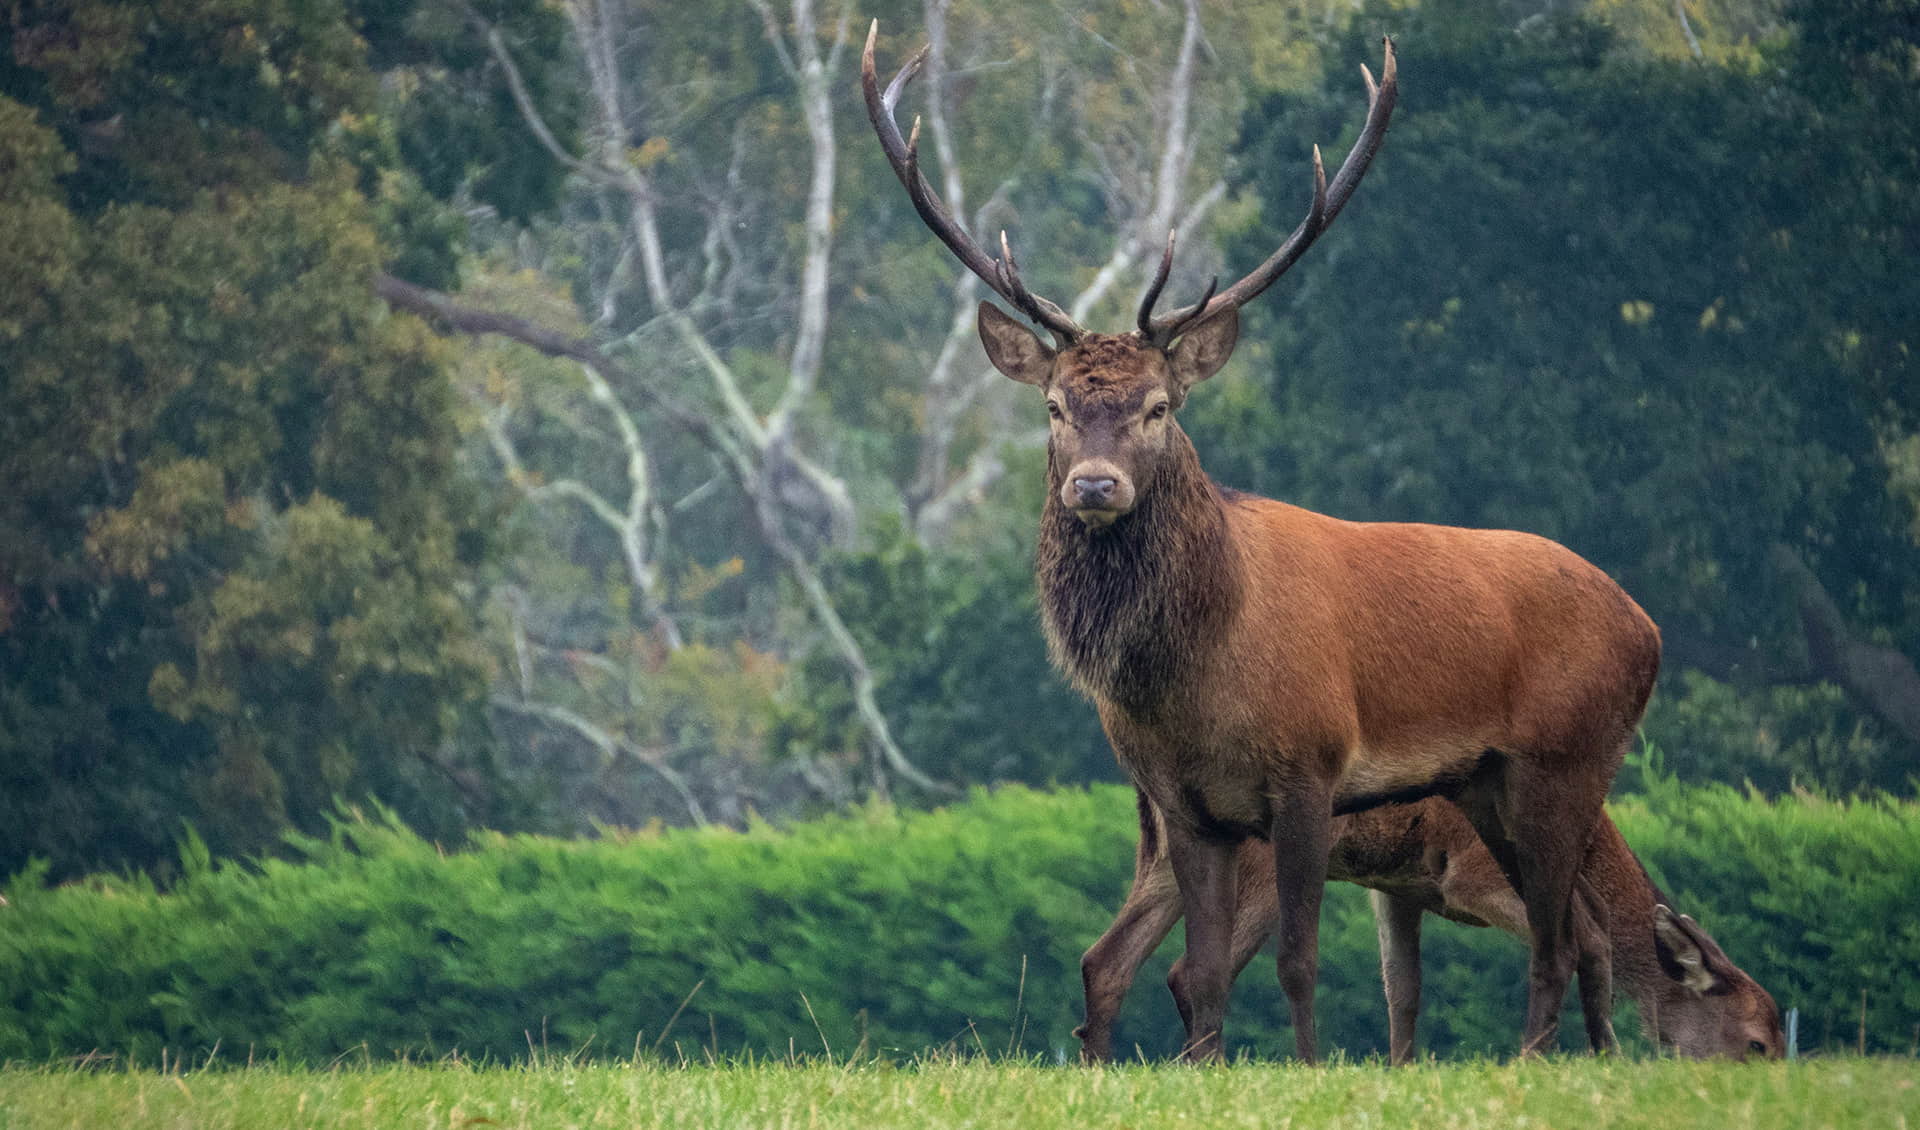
x,y
1169,177
812,77
638,525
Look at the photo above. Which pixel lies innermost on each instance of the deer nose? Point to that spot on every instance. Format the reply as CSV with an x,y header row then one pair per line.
x,y
1094,492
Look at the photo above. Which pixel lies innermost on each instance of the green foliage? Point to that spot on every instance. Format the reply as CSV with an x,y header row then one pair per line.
x,y
454,119
158,101
233,544
959,927
956,647
1773,737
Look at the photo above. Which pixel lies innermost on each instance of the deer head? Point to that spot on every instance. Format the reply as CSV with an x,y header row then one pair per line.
x,y
1110,404
1711,1007
1111,397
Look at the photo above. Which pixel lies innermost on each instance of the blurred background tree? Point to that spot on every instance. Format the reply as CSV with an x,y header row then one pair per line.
x,y
237,562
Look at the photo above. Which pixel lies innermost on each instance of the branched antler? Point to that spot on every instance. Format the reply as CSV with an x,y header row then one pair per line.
x,y
1001,274
1328,200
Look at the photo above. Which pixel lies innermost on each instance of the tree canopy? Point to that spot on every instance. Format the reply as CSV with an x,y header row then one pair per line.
x,y
236,557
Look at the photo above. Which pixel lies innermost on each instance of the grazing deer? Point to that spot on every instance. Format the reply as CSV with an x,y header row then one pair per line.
x,y
1425,858
1259,668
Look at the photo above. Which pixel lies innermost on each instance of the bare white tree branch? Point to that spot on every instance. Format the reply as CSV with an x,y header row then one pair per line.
x,y
612,747
814,80
631,525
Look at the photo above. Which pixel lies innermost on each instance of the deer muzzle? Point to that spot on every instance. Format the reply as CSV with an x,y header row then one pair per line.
x,y
1097,492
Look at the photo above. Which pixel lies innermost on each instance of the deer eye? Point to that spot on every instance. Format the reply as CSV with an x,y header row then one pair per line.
x,y
1053,409
1756,1047
1158,411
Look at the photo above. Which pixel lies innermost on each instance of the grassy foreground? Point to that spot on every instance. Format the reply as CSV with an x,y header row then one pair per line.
x,y
1577,1094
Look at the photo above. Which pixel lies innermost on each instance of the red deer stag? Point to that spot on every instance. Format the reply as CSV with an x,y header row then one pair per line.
x,y
1424,858
1259,668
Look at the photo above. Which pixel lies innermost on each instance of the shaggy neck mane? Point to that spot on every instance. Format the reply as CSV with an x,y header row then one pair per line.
x,y
1129,608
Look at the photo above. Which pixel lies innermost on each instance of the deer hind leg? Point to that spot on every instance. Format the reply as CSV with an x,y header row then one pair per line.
x,y
1398,921
1254,911
1521,842
1593,936
1201,980
1537,822
1109,967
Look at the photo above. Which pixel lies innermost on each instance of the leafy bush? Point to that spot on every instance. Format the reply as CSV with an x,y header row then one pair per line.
x,y
960,926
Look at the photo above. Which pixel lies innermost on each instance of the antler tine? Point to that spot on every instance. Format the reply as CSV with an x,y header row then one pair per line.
x,y
1016,290
1145,319
1162,331
903,155
1380,103
1198,308
911,69
1328,200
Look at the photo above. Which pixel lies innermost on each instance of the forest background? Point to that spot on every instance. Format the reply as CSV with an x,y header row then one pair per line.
x,y
552,417
723,512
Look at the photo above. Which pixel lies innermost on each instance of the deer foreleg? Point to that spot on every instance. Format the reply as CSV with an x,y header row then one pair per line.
x,y
1109,966
1398,922
1302,835
1200,982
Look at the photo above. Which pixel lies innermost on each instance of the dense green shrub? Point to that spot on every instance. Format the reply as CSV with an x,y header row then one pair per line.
x,y
962,925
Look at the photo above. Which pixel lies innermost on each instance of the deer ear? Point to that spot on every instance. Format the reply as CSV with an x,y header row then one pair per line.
x,y
1202,350
1687,954
1013,348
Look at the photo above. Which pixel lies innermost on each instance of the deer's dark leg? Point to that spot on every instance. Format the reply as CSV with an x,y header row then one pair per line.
x,y
1254,912
1253,918
1549,816
1535,820
1302,834
1109,966
1592,934
1398,922
1201,980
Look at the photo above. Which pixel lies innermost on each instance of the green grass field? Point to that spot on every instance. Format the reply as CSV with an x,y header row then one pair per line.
x,y
1575,1094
